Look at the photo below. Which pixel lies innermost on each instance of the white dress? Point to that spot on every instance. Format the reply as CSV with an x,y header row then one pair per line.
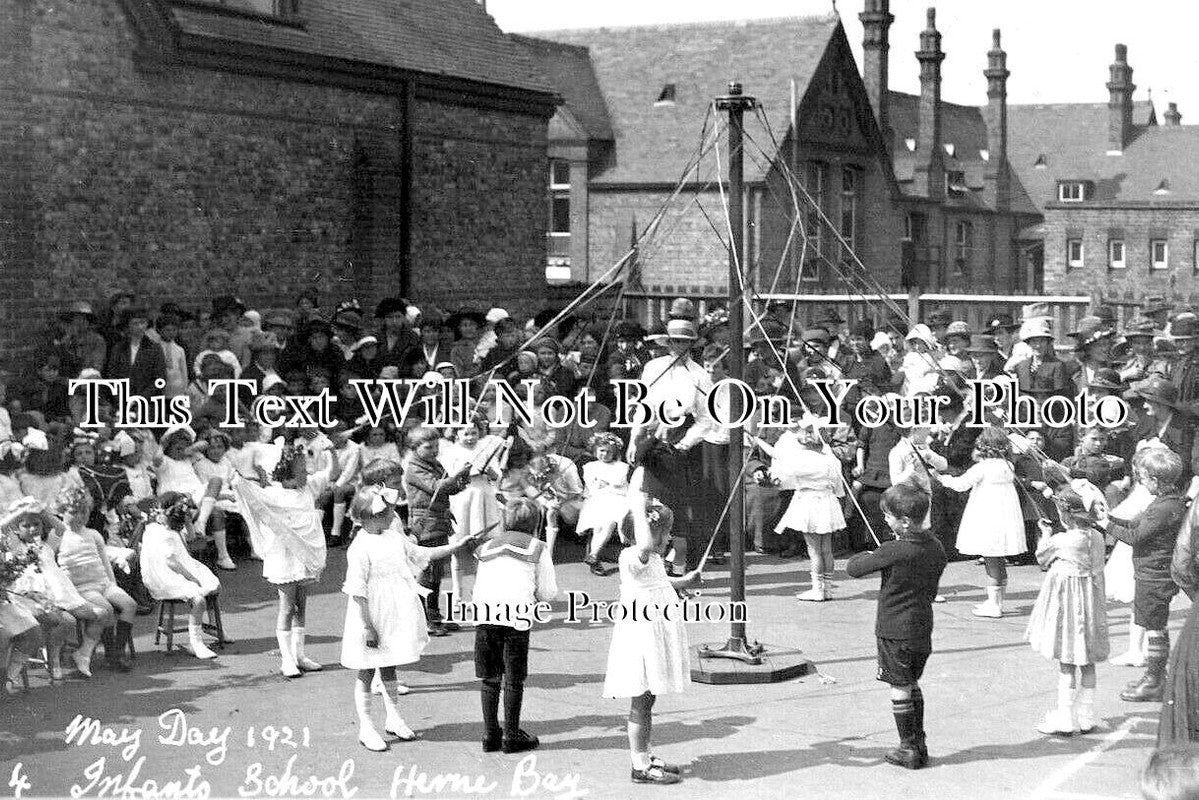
x,y
180,476
161,545
475,508
207,469
992,524
815,507
647,655
607,502
383,569
285,528
1117,575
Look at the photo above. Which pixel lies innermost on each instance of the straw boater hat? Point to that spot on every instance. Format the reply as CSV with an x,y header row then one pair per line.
x,y
681,329
1036,328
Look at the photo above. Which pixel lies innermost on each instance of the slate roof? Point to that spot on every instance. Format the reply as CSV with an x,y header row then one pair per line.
x,y
568,68
455,38
633,64
1072,138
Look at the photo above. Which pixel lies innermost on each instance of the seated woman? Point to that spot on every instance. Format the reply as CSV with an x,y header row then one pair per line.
x,y
82,556
169,570
45,591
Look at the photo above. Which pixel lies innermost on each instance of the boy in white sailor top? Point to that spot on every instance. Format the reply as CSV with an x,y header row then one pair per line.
x,y
515,572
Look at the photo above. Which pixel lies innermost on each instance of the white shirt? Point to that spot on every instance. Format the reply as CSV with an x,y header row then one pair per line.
x,y
670,378
509,577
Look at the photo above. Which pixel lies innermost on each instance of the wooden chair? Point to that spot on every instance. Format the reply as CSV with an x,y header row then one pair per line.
x,y
168,627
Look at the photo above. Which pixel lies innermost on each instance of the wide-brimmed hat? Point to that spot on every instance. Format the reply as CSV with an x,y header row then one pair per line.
x,y
1142,328
264,340
628,329
279,318
225,303
1036,328
494,315
816,335
681,329
959,328
363,342
466,312
80,308
982,344
391,305
348,319
1106,378
1154,389
1105,313
921,333
1034,311
1002,322
939,317
1184,326
681,308
1089,331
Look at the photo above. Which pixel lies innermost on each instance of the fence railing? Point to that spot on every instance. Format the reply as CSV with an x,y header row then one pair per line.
x,y
648,307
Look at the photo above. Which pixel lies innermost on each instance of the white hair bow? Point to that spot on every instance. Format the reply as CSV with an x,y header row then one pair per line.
x,y
35,439
385,498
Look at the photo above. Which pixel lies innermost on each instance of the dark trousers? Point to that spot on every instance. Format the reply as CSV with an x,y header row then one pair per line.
x,y
716,492
871,502
431,577
501,655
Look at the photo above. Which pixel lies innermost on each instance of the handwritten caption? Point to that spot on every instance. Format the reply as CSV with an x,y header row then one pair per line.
x,y
118,774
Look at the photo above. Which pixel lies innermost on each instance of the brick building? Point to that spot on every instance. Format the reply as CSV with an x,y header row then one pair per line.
x,y
915,185
185,148
1119,192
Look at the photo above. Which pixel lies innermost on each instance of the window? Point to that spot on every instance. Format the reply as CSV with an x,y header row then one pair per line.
x,y
849,206
285,9
1115,254
1072,191
914,227
963,247
955,183
558,264
1195,255
814,179
1074,252
666,96
1159,254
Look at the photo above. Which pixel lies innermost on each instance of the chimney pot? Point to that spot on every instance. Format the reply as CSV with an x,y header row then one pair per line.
x,y
995,39
1172,116
932,19
1122,54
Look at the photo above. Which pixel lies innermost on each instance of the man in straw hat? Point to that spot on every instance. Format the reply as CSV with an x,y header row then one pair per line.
x,y
1044,375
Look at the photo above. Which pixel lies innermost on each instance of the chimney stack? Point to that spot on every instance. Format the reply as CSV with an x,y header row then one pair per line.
x,y
876,46
930,166
1119,107
1173,118
996,118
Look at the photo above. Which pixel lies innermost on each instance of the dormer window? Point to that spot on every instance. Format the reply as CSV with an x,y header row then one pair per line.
x,y
1162,188
910,144
955,183
950,149
1041,162
666,96
274,10
1073,191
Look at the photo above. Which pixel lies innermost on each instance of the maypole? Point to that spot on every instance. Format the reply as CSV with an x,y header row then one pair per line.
x,y
737,660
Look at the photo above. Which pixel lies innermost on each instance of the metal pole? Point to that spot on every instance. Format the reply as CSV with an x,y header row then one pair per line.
x,y
736,104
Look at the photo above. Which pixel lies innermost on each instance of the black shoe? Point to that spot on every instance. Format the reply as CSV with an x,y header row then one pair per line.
x,y
906,757
653,774
671,572
673,769
1148,690
452,627
437,629
493,741
520,742
597,568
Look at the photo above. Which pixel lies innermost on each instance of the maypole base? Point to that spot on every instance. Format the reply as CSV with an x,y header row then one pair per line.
x,y
737,661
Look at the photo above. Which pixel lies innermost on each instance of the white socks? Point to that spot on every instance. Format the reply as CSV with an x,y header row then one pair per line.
x,y
1137,639
395,724
297,648
288,666
83,655
377,686
196,640
339,518
368,737
1084,710
206,506
221,539
641,761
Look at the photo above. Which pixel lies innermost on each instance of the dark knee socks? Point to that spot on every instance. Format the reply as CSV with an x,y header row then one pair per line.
x,y
490,693
514,693
1158,654
905,722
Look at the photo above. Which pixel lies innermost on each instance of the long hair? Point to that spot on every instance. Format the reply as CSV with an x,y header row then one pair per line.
x,y
993,443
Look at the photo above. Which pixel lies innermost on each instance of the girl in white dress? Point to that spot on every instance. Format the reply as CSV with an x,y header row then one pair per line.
x,y
607,483
385,617
475,508
649,654
170,572
815,508
992,524
176,468
284,518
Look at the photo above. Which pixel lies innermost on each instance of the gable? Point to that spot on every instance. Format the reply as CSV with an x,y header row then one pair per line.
x,y
835,111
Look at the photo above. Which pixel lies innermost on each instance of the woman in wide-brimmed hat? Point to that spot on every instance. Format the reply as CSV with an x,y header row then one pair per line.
x,y
466,325
920,372
1093,347
1138,342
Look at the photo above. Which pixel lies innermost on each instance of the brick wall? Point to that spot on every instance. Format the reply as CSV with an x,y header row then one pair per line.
x,y
1095,226
182,183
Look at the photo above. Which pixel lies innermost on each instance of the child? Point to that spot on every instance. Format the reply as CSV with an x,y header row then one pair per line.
x,y
814,510
992,524
607,482
285,522
82,556
177,473
428,488
1171,774
1152,538
169,571
648,657
384,624
1118,577
378,445
1068,622
215,469
515,571
475,508
12,456
911,567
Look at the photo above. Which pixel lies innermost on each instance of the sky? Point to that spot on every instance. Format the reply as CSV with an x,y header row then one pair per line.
x,y
1058,50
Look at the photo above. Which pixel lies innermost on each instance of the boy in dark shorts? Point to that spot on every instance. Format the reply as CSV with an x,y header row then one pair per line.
x,y
911,567
1152,537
